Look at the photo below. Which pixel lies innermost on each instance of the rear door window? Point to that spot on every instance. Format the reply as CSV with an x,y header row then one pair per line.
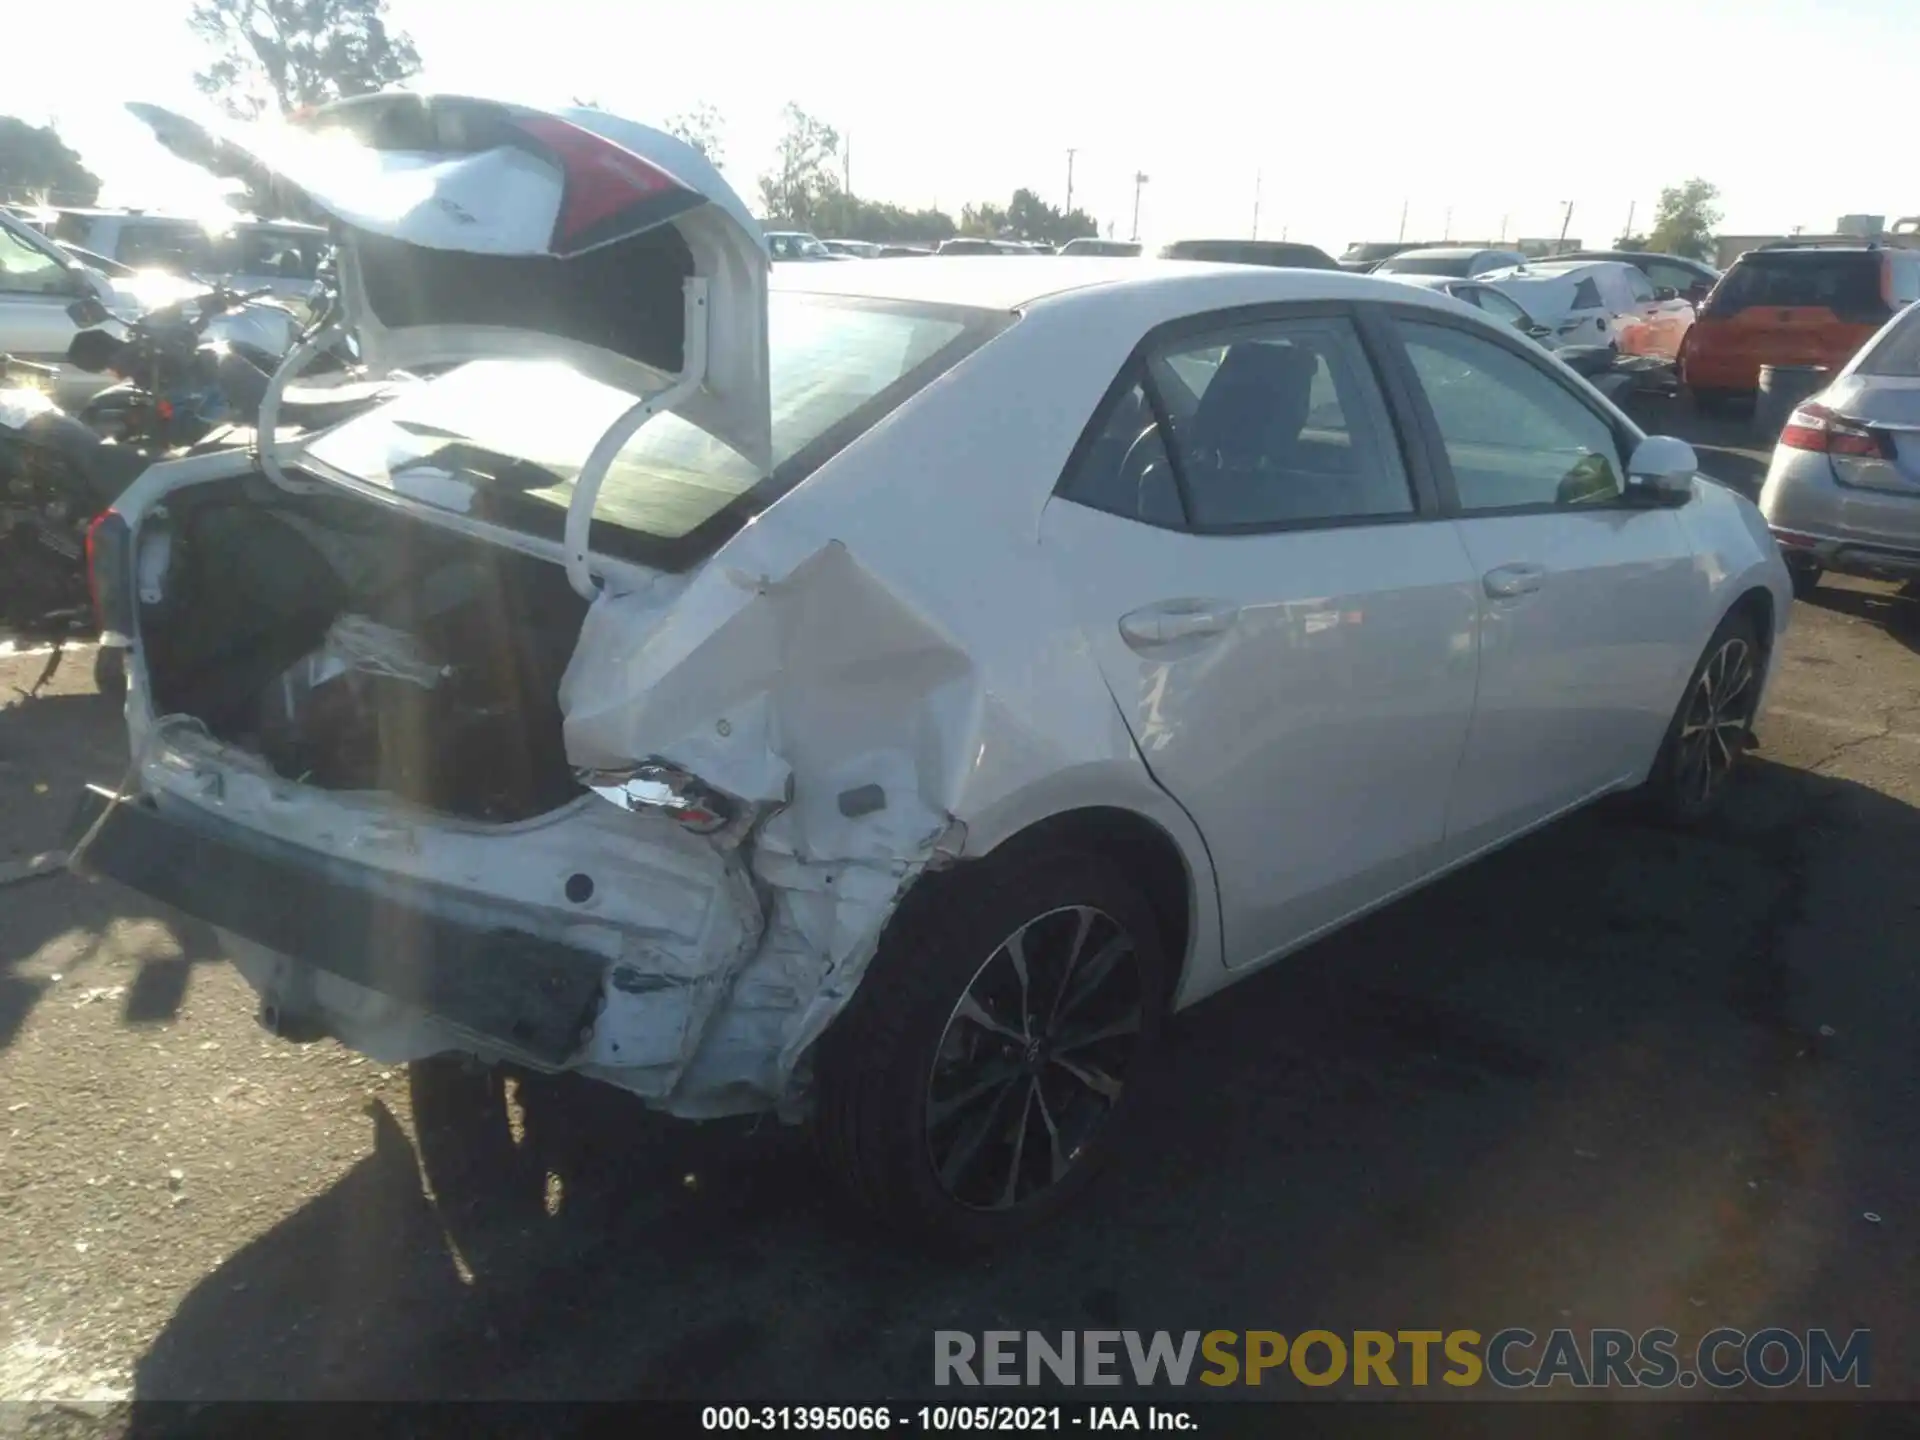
x,y
179,247
1586,295
1257,427
1846,283
282,254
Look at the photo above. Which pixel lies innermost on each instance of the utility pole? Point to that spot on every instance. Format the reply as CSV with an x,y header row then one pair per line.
x,y
1403,221
1071,152
1566,221
1447,234
846,165
1503,229
1256,204
1139,180
1626,235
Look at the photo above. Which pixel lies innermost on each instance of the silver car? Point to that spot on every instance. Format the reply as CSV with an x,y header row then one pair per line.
x,y
1843,492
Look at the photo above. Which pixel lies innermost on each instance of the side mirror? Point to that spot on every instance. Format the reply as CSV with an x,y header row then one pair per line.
x,y
88,311
1661,470
1665,292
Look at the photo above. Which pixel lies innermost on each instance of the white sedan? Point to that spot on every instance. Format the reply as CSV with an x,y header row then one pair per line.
x,y
881,693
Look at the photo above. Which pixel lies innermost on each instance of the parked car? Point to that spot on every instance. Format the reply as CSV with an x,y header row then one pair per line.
x,y
279,256
903,252
975,245
1843,491
41,279
1363,255
1250,252
1599,302
854,249
1092,245
715,773
796,245
1691,280
1460,261
1499,307
1792,305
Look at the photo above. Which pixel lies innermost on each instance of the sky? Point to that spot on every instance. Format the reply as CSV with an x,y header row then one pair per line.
x,y
1479,117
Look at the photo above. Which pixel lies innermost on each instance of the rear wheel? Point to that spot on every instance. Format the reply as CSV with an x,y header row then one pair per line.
x,y
994,1052
1712,727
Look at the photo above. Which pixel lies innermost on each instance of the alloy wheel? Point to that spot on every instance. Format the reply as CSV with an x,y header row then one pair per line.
x,y
1719,713
1034,1058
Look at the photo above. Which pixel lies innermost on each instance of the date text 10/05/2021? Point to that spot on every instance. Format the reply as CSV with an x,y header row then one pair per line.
x,y
942,1418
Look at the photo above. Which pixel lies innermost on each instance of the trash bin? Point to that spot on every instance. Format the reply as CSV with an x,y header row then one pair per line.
x,y
1783,388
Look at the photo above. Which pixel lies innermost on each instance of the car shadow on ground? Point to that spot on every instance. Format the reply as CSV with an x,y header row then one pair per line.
x,y
52,745
1572,1080
1897,612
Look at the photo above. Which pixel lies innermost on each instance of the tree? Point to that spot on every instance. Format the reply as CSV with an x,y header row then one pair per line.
x,y
700,127
285,55
1026,217
37,167
1683,224
802,175
847,217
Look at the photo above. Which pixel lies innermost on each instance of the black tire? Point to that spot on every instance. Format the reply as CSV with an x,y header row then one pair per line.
x,y
1806,578
110,673
1718,699
903,1039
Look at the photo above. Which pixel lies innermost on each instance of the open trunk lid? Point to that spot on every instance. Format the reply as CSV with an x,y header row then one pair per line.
x,y
473,229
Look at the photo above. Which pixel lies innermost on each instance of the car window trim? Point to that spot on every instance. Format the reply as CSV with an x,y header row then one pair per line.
x,y
1624,438
1422,483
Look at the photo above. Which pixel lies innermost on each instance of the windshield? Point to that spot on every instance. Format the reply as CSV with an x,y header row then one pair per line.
x,y
504,440
27,269
1425,265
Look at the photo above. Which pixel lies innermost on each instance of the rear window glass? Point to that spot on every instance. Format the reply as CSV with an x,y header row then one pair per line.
x,y
1846,284
504,440
1896,353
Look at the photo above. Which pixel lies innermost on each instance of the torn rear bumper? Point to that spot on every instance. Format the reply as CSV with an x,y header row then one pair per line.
x,y
399,938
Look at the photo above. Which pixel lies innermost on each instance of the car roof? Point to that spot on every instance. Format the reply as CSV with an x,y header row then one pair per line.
x,y
1017,282
1449,252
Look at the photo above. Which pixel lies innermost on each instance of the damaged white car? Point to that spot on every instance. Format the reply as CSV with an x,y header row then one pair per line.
x,y
881,696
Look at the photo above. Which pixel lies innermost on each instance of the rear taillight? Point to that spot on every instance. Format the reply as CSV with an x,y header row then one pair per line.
x,y
603,181
1814,427
107,573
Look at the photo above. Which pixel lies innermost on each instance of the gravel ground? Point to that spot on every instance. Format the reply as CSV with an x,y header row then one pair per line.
x,y
1609,1077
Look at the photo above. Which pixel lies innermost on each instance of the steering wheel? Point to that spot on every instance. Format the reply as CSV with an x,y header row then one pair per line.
x,y
1141,456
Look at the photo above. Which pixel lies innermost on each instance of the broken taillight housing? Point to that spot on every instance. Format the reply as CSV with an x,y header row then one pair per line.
x,y
655,787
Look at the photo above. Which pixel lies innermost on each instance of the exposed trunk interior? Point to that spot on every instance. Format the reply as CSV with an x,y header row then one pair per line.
x,y
355,648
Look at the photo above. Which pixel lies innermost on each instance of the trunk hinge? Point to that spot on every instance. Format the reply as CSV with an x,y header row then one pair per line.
x,y
266,422
586,485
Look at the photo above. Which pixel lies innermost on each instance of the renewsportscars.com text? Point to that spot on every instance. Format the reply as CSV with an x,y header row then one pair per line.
x,y
1512,1358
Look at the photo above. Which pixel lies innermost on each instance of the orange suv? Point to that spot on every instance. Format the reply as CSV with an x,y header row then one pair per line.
x,y
1792,305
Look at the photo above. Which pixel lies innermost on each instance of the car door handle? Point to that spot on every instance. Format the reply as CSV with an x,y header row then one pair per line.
x,y
1503,582
1175,621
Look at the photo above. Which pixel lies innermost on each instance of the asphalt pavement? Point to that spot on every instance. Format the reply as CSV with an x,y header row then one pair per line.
x,y
1612,1076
